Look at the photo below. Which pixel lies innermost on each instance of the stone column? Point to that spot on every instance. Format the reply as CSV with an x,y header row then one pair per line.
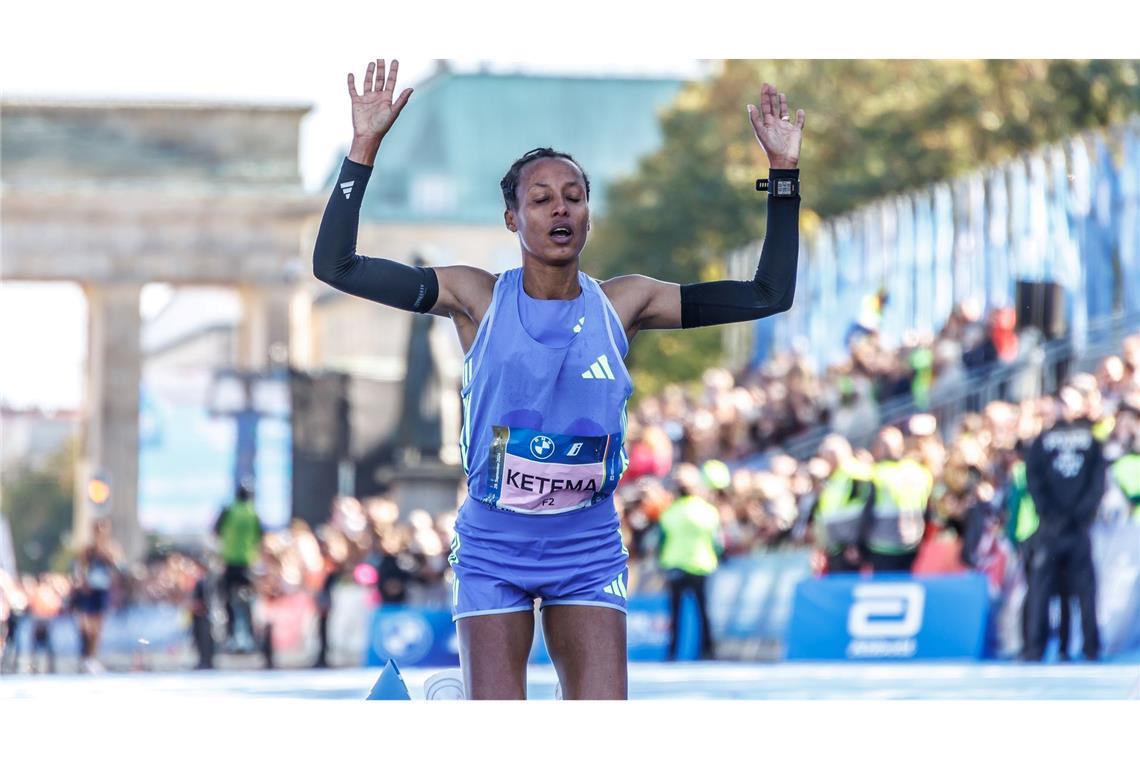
x,y
301,329
111,414
263,337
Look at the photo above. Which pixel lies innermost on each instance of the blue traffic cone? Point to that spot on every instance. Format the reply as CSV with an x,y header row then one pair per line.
x,y
390,685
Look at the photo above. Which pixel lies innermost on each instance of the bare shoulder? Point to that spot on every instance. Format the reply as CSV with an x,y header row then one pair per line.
x,y
628,287
643,302
466,278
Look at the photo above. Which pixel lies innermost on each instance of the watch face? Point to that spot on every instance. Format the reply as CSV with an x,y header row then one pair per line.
x,y
784,187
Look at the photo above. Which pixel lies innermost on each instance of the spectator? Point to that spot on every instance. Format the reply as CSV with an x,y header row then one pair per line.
x,y
839,509
240,531
1123,451
1065,471
870,316
44,605
200,624
1022,525
396,566
15,601
690,545
334,554
894,517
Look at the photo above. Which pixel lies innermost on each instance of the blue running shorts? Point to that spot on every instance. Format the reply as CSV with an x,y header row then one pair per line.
x,y
504,560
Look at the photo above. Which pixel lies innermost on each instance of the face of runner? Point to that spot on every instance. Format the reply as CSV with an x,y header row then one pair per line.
x,y
553,215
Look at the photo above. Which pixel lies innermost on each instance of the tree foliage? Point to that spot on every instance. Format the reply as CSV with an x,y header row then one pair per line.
x,y
38,504
874,128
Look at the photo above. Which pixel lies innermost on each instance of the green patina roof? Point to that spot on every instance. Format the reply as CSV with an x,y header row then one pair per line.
x,y
459,134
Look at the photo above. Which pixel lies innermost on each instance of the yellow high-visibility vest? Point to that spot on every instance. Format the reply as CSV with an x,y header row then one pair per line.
x,y
1126,473
902,489
841,506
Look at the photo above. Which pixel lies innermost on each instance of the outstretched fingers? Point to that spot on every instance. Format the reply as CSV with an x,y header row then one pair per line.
x,y
800,119
376,80
783,106
379,87
765,104
368,77
390,83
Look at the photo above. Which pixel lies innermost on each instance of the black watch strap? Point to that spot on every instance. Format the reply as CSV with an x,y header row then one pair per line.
x,y
781,183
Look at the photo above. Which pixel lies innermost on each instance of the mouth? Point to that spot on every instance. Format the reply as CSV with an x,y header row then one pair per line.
x,y
562,234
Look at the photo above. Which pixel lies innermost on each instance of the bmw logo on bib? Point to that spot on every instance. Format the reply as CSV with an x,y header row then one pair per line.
x,y
541,446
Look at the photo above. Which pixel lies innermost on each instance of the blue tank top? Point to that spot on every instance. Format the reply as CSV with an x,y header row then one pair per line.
x,y
544,420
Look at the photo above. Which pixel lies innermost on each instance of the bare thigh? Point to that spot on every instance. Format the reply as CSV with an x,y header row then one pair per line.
x,y
587,645
493,652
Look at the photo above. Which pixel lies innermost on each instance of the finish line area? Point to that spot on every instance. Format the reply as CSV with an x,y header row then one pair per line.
x,y
700,681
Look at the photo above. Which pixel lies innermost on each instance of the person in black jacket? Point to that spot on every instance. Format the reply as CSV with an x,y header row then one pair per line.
x,y
200,625
1065,471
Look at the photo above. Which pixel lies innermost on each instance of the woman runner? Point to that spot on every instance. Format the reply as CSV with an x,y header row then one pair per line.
x,y
544,393
95,569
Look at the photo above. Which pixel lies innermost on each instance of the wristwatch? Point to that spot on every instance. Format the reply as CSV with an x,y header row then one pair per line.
x,y
779,187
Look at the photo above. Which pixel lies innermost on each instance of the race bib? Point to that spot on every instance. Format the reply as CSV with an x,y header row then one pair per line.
x,y
532,471
98,578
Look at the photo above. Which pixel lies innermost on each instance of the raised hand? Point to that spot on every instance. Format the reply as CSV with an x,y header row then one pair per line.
x,y
778,136
373,111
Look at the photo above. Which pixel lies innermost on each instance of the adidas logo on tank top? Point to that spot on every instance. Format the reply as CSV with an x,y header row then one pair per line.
x,y
599,370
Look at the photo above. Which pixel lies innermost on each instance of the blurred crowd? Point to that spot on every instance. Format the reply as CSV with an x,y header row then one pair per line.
x,y
400,558
729,418
774,505
400,555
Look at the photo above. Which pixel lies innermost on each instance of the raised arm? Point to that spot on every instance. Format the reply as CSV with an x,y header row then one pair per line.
x,y
648,304
443,291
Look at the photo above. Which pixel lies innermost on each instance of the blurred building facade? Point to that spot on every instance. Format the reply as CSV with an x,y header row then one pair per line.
x,y
30,436
117,195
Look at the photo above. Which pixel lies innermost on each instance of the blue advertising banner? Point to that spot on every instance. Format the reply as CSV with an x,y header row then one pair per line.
x,y
197,428
750,602
890,617
184,454
749,606
413,637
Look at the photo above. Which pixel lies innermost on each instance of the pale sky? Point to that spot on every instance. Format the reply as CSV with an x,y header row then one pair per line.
x,y
262,52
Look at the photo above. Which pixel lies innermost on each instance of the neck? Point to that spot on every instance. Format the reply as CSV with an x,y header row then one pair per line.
x,y
551,283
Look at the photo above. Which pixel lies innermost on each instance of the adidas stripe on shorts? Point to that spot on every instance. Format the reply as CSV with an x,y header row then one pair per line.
x,y
504,560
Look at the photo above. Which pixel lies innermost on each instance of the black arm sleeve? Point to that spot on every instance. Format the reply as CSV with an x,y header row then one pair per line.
x,y
771,290
336,262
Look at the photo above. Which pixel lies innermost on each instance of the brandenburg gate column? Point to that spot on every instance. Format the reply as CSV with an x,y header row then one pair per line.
x,y
264,334
110,438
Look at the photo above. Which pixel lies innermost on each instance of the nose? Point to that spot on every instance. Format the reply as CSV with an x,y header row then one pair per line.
x,y
561,208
